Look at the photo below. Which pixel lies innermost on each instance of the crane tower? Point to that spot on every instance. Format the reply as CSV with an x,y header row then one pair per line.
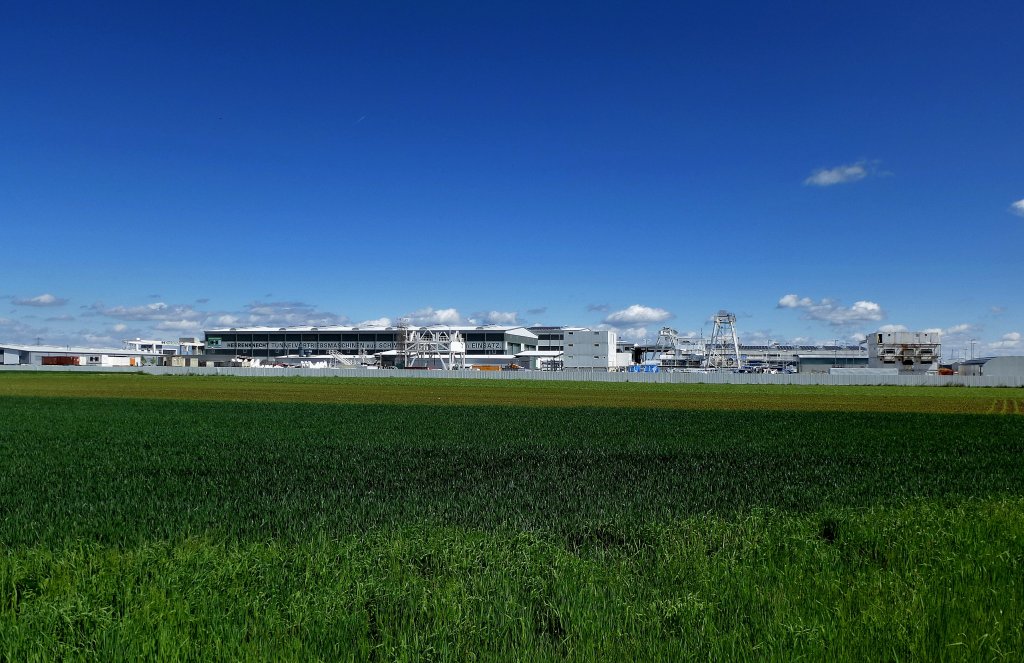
x,y
724,349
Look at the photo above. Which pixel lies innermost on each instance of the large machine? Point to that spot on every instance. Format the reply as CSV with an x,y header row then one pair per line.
x,y
723,351
429,346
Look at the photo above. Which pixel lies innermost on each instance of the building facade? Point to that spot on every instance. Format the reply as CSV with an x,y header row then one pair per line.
x,y
910,352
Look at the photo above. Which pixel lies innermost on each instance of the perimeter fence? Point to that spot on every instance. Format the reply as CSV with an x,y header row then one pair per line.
x,y
569,375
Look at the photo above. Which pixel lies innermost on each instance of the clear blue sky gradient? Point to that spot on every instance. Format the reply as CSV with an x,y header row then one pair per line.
x,y
343,161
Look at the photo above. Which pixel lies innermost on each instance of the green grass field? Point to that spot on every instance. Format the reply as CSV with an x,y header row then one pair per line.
x,y
346,519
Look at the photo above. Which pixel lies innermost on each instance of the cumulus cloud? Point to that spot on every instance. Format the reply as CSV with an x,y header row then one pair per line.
x,y
893,328
1018,207
46,299
1010,341
947,332
163,316
179,325
288,314
97,340
635,334
17,330
832,312
185,318
962,328
379,322
497,317
637,314
842,174
792,301
638,334
431,316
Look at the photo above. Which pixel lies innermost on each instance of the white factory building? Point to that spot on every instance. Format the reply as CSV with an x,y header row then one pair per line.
x,y
70,355
133,352
489,347
482,346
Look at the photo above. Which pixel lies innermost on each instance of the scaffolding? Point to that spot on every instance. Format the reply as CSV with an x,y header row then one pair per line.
x,y
429,344
675,351
723,351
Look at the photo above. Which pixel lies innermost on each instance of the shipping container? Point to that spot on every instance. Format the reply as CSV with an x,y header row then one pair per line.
x,y
60,361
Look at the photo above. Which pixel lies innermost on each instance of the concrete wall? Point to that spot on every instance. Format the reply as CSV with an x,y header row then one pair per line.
x,y
582,375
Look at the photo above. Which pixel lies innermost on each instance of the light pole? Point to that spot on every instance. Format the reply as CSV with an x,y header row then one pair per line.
x,y
972,347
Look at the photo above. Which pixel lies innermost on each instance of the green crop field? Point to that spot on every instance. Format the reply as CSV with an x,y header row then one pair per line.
x,y
146,517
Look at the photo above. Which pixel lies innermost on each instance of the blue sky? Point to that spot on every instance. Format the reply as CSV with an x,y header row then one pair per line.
x,y
820,170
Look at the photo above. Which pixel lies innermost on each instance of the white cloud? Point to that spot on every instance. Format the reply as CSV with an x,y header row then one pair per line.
x,y
831,312
46,299
98,340
379,322
17,330
430,316
154,311
1018,207
792,301
179,325
637,314
288,314
634,334
498,317
185,318
1010,341
894,328
851,172
119,327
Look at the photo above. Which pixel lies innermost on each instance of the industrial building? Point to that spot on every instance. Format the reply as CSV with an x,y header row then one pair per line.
x,y
725,352
497,347
540,347
69,355
993,366
134,352
909,352
406,346
183,346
